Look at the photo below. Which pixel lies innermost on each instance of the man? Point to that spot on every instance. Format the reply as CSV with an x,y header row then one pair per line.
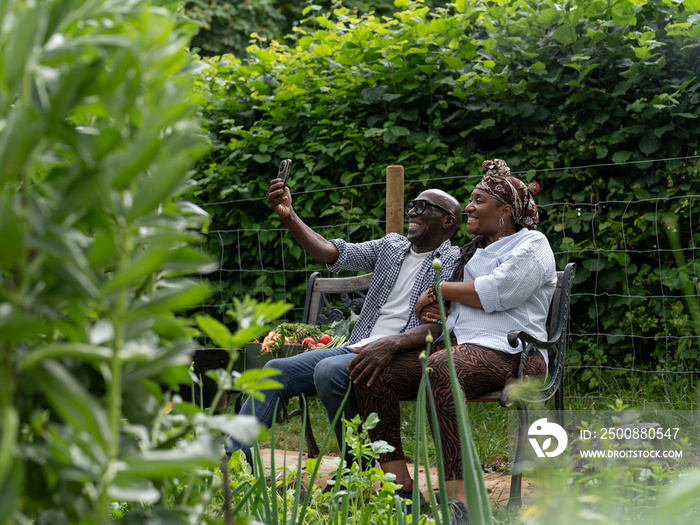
x,y
387,324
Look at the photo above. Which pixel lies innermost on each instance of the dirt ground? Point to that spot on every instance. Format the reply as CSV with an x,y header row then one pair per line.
x,y
497,483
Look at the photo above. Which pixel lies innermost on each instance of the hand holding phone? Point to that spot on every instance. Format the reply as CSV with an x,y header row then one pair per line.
x,y
283,171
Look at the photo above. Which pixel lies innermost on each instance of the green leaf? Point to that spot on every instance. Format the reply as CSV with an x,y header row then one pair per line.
x,y
691,5
17,326
453,62
9,431
641,193
601,151
373,95
163,179
21,41
244,429
642,53
75,405
621,156
395,132
217,331
681,494
549,17
134,489
262,158
12,483
183,295
19,139
145,263
201,452
60,350
649,144
189,409
564,35
256,379
125,166
11,240
323,50
168,364
625,20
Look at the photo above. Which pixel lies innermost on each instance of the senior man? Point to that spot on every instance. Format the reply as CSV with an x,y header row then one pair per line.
x,y
387,323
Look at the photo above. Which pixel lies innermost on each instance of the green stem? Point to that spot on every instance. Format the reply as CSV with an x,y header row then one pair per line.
x,y
477,497
114,382
9,420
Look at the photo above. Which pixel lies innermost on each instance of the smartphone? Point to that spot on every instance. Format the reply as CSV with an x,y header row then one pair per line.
x,y
283,171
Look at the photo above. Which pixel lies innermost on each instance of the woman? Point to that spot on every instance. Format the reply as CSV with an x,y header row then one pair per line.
x,y
504,281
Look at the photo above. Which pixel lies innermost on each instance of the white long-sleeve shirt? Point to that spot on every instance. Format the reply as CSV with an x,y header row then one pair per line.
x,y
515,278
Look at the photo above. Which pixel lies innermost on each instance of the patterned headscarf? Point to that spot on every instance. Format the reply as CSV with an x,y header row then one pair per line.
x,y
498,183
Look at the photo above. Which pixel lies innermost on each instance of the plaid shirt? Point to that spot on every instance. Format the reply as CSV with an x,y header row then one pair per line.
x,y
384,257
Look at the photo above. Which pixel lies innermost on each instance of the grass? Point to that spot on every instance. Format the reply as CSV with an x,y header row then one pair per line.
x,y
489,423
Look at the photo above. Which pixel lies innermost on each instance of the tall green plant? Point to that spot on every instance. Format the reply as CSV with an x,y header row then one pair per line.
x,y
97,139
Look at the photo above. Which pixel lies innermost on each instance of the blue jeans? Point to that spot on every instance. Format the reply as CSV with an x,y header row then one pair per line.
x,y
321,372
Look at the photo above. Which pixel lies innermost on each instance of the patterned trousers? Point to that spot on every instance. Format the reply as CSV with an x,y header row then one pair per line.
x,y
479,371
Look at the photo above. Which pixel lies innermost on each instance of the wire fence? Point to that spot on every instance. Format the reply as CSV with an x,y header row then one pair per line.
x,y
634,332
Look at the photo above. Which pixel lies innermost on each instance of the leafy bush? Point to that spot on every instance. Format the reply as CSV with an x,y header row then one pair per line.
x,y
98,139
226,27
590,94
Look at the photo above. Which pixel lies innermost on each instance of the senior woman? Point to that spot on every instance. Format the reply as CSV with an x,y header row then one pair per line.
x,y
504,281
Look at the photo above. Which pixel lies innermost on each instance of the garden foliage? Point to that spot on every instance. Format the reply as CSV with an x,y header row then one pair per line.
x,y
98,135
226,27
591,93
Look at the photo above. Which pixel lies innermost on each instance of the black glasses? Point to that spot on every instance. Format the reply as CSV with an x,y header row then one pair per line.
x,y
419,206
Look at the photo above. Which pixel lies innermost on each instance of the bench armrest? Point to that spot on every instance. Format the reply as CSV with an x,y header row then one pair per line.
x,y
522,389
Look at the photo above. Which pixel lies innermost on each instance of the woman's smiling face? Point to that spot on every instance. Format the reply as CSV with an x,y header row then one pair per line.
x,y
484,214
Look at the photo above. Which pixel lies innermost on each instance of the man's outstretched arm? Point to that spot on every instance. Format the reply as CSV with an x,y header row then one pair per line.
x,y
279,198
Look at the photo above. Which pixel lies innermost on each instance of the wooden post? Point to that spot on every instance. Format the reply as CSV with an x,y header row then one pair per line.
x,y
394,200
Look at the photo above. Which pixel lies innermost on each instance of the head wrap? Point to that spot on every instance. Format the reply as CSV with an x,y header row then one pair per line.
x,y
498,183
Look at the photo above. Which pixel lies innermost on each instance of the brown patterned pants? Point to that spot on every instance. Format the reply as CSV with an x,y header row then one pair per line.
x,y
479,370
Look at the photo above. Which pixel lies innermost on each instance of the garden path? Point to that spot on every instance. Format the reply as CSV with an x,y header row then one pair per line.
x,y
497,483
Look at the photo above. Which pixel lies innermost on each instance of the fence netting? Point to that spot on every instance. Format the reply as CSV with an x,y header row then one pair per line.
x,y
634,325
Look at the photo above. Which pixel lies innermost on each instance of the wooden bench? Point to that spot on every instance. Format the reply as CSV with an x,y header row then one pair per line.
x,y
320,308
331,299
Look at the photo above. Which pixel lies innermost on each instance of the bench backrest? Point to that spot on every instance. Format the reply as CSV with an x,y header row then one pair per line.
x,y
330,299
558,324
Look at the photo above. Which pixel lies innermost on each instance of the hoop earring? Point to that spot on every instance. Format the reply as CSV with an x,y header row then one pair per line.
x,y
501,222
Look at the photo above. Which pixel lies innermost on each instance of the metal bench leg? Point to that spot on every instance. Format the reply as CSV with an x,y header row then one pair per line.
x,y
515,501
311,446
559,405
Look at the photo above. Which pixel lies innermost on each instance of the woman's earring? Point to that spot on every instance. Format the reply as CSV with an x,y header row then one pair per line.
x,y
501,222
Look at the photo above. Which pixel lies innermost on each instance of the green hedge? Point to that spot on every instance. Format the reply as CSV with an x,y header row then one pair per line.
x,y
226,27
588,94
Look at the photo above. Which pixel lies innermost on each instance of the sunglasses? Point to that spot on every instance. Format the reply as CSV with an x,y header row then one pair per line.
x,y
419,206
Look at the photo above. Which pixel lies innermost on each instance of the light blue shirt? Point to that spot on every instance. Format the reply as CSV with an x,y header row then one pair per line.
x,y
515,278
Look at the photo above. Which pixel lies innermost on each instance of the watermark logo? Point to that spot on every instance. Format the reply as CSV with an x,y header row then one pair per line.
x,y
542,427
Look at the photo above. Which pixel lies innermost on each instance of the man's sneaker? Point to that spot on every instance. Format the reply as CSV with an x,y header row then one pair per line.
x,y
460,514
408,494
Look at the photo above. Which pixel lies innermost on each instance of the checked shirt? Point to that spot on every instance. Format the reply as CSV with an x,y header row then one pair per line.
x,y
384,257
